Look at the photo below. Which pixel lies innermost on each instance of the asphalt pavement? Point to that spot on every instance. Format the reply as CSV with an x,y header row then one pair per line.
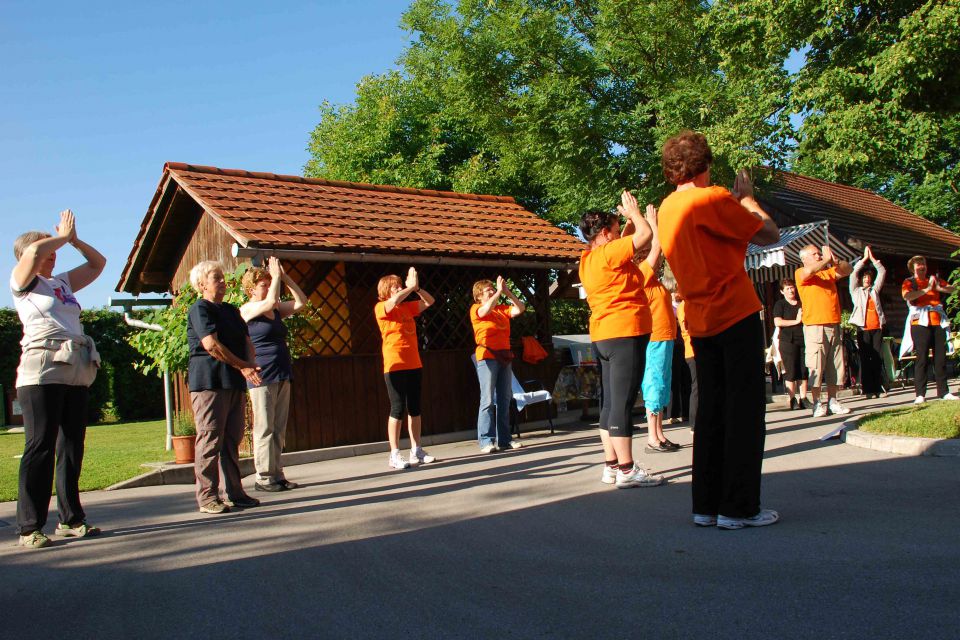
x,y
520,544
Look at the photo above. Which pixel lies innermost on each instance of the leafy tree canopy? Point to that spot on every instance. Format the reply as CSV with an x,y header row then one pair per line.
x,y
562,103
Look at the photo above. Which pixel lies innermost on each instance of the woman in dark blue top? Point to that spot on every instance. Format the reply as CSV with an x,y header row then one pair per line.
x,y
264,314
221,365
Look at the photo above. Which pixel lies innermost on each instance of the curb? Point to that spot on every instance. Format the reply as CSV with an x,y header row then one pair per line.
x,y
165,473
901,445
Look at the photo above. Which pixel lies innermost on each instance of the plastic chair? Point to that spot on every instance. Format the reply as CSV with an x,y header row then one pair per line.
x,y
523,398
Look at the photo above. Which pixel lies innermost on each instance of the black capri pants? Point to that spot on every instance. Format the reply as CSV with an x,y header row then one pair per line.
x,y
622,361
403,389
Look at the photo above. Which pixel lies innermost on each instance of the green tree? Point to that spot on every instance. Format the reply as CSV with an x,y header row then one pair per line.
x,y
560,104
878,92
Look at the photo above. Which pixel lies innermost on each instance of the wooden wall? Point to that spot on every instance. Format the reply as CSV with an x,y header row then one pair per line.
x,y
209,242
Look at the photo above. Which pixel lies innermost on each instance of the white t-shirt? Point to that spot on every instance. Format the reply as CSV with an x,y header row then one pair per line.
x,y
47,305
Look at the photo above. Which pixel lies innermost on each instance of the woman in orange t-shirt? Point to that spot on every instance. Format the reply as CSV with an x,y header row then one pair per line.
x,y
704,232
620,326
402,370
927,325
491,330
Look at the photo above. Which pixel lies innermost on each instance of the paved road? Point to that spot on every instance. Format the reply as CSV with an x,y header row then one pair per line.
x,y
525,544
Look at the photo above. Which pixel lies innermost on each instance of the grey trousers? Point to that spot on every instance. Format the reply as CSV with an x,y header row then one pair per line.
x,y
271,406
219,417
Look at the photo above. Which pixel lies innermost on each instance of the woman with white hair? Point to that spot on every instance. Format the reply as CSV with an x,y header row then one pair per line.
x,y
222,362
58,364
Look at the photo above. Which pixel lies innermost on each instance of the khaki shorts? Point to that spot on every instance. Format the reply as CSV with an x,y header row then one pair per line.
x,y
824,358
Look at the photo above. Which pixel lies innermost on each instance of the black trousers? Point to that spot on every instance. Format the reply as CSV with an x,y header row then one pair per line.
x,y
694,391
923,339
680,385
869,344
55,424
730,429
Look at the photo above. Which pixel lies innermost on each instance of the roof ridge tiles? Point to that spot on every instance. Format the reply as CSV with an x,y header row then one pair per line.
x,y
241,173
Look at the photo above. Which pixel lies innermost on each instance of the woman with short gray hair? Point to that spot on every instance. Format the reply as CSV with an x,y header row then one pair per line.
x,y
222,361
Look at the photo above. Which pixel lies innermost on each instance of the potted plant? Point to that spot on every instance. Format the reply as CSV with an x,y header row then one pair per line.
x,y
184,438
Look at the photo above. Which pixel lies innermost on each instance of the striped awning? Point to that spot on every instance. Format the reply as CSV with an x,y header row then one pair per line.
x,y
780,260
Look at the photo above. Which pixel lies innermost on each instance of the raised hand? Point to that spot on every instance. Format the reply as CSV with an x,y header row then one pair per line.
x,y
826,253
273,266
742,185
651,215
628,206
68,225
412,280
501,285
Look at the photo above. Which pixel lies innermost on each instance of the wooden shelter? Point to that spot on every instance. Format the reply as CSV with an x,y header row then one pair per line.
x,y
337,239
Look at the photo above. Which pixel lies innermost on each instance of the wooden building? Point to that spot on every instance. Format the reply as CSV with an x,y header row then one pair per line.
x,y
337,239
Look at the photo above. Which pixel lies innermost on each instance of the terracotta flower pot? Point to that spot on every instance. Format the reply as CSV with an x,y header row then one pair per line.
x,y
183,448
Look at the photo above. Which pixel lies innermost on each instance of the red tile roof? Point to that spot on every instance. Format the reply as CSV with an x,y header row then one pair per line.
x,y
291,212
860,214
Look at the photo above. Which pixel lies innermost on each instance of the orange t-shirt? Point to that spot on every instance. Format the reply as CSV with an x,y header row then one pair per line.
x,y
704,233
871,321
682,320
929,299
614,286
818,295
661,305
492,331
399,332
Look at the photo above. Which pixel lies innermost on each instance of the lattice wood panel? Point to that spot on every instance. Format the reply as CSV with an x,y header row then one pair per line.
x,y
344,295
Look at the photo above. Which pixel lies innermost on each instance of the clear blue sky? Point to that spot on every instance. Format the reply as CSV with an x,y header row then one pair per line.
x,y
96,96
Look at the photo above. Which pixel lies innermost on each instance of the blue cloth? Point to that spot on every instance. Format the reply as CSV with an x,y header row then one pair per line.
x,y
493,420
269,337
657,375
205,372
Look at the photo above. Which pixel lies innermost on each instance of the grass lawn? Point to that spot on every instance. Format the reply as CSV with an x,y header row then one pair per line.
x,y
114,452
939,419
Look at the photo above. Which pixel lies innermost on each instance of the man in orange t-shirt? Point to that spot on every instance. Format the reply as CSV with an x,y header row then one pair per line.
x,y
927,325
822,336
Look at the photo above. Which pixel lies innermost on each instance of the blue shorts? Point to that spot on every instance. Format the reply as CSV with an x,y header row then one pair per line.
x,y
657,375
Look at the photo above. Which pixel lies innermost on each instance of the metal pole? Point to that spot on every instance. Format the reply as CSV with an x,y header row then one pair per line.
x,y
168,407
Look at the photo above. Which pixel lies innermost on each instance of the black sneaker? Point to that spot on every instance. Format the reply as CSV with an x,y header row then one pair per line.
x,y
673,446
271,487
793,404
243,502
802,404
287,485
658,448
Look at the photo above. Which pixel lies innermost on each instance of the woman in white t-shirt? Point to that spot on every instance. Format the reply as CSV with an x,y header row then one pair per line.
x,y
57,365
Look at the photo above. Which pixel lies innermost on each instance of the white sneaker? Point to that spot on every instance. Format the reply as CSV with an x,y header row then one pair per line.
x,y
919,400
419,456
702,520
397,462
637,477
514,444
762,519
819,410
837,409
950,396
609,475
490,448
